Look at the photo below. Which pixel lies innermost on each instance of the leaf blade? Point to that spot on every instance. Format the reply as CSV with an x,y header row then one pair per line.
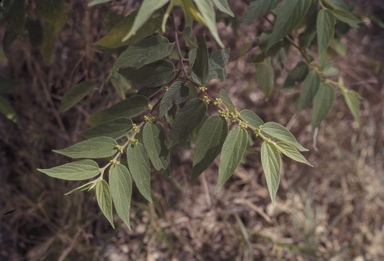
x,y
200,68
78,170
291,152
265,77
296,76
271,162
114,129
258,8
104,200
75,94
251,118
279,132
325,26
322,104
310,87
177,92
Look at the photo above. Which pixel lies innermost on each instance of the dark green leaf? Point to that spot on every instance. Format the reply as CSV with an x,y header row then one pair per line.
x,y
114,129
281,133
223,7
113,17
265,77
251,118
128,108
178,92
270,159
258,8
100,147
7,109
103,196
154,143
337,4
189,117
144,52
9,37
121,189
151,75
290,15
322,104
49,10
190,38
232,153
310,87
192,56
46,47
210,140
138,164
170,117
114,38
353,104
348,18
217,62
226,100
325,29
296,76
120,83
82,188
148,92
35,32
7,85
97,2
200,68
290,151
78,170
75,94
13,12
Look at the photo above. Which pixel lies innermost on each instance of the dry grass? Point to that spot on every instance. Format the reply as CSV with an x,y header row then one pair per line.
x,y
333,211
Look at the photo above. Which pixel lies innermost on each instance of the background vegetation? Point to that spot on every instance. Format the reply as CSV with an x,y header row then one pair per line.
x,y
333,210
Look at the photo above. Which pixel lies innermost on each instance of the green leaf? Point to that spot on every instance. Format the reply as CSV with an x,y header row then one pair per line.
x,y
322,104
353,104
7,109
9,37
337,4
265,77
190,38
290,15
114,38
100,147
121,189
3,57
190,10
217,62
232,153
178,92
189,117
7,85
147,8
348,18
251,118
296,76
35,32
103,196
310,87
13,12
154,143
325,29
226,100
75,94
200,68
151,75
113,17
86,186
291,152
97,2
148,92
49,10
208,14
78,170
138,164
144,52
258,8
223,7
120,83
170,118
210,140
128,108
46,47
271,162
114,129
281,133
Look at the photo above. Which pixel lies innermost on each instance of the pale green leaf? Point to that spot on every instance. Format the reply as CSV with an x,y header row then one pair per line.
x,y
251,118
348,18
226,100
97,2
271,162
151,75
279,132
217,62
115,129
258,8
290,15
200,68
154,143
128,108
82,188
100,147
7,85
291,152
353,104
210,140
13,12
208,14
114,38
296,76
190,38
75,94
325,27
49,10
223,7
7,109
78,170
265,77
322,104
104,199
310,87
138,164
189,117
231,155
178,92
120,182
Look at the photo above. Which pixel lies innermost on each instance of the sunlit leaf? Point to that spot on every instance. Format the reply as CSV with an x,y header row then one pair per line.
x,y
78,170
251,118
223,6
81,188
291,152
97,2
104,199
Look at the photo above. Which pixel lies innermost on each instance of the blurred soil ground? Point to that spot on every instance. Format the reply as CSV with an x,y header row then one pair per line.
x,y
334,211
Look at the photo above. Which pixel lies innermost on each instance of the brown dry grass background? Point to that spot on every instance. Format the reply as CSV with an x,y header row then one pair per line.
x,y
333,211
